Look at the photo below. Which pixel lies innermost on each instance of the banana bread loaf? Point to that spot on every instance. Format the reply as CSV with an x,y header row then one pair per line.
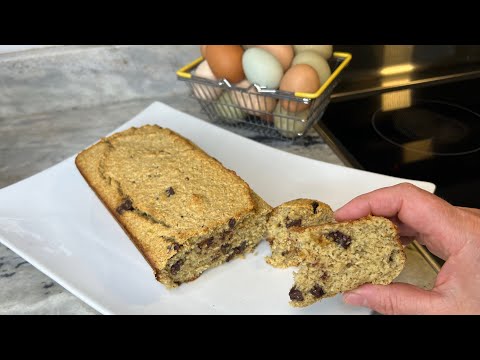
x,y
183,209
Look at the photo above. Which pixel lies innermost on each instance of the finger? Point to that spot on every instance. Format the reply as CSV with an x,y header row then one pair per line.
x,y
403,229
395,299
406,240
387,202
470,210
435,220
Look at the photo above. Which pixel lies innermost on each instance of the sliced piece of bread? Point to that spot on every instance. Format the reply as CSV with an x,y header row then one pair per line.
x,y
183,209
295,213
338,257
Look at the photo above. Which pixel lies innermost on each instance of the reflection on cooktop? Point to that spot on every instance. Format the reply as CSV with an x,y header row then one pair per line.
x,y
431,127
430,134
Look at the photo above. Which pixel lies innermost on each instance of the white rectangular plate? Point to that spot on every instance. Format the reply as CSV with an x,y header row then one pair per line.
x,y
57,223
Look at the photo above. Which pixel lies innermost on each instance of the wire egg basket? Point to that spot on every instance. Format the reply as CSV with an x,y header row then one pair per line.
x,y
272,113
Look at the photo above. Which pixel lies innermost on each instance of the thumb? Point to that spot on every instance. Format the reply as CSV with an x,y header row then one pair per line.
x,y
394,299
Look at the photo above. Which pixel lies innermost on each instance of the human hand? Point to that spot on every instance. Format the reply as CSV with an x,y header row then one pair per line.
x,y
451,233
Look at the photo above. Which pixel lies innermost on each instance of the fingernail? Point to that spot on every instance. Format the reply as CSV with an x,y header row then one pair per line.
x,y
355,299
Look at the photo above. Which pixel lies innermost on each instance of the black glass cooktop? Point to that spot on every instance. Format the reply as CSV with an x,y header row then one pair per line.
x,y
430,134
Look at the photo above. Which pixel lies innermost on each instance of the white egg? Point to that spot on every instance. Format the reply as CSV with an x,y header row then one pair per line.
x,y
262,68
204,91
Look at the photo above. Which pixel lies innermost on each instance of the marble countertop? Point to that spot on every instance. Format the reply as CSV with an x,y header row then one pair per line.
x,y
31,142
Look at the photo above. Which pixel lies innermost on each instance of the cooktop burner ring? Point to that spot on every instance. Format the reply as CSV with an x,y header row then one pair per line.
x,y
445,131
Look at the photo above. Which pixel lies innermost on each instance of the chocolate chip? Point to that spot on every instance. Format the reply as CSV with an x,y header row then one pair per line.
x,y
324,276
206,243
295,295
317,291
240,249
293,223
392,255
315,206
232,223
340,238
225,234
126,205
170,192
175,268
235,251
225,248
284,253
174,246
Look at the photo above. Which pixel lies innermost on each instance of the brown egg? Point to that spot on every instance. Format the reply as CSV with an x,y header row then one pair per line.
x,y
267,117
226,62
283,53
299,78
203,50
253,102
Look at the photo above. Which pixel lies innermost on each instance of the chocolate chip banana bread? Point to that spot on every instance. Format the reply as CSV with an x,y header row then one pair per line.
x,y
295,213
183,209
339,257
332,257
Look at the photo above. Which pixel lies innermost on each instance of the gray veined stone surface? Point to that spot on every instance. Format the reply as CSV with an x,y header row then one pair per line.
x,y
47,80
54,102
